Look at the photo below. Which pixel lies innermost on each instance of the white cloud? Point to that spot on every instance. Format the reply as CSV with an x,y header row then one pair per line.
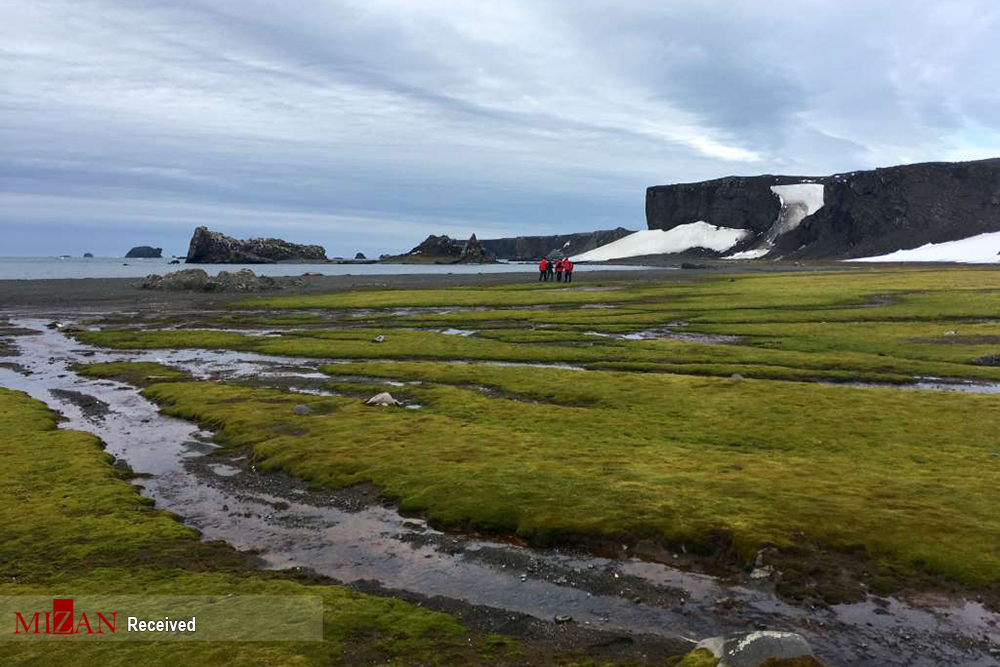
x,y
535,116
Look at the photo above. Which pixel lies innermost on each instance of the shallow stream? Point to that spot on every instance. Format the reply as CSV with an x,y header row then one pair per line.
x,y
350,538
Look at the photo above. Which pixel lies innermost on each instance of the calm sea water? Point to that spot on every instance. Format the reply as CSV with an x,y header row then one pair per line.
x,y
33,268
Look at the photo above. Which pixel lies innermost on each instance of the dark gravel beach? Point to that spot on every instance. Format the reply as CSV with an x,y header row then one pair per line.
x,y
124,293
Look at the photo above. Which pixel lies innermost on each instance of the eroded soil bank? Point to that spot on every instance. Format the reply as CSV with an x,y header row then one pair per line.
x,y
350,536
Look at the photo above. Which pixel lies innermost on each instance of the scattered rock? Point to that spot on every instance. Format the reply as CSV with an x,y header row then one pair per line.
x,y
208,247
378,339
736,377
754,648
384,399
243,280
987,360
188,279
145,251
761,573
302,410
563,618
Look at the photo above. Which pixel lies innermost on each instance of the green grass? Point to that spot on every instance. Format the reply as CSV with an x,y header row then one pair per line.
x,y
659,444
70,526
138,373
908,477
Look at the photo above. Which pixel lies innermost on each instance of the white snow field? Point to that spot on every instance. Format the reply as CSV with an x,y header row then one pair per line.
x,y
659,242
978,249
798,201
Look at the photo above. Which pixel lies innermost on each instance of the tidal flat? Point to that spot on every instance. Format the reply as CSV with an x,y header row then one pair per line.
x,y
656,460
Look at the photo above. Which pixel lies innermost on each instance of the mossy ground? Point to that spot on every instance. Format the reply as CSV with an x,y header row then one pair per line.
x,y
643,445
70,525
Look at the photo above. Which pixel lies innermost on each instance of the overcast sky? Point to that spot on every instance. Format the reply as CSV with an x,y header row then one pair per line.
x,y
368,124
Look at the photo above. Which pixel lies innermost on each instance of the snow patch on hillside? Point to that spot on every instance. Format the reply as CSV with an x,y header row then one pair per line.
x,y
979,249
798,201
659,242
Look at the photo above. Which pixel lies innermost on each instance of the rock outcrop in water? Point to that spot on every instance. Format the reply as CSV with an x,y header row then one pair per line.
x,y
527,248
208,247
474,253
445,250
145,251
862,213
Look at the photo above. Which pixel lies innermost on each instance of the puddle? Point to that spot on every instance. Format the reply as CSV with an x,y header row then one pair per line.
x,y
670,334
934,384
224,470
465,333
351,540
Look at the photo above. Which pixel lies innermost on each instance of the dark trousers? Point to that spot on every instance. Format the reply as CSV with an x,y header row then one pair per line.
x,y
569,276
559,276
543,275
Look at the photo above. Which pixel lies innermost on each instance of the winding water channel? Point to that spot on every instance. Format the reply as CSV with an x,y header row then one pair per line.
x,y
291,525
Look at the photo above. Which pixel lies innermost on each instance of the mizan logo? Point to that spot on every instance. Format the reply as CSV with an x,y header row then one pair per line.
x,y
60,621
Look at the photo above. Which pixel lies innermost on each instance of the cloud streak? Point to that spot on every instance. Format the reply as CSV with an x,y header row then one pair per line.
x,y
367,125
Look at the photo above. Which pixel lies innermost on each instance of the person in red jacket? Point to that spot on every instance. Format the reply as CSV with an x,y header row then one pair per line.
x,y
543,269
568,270
559,270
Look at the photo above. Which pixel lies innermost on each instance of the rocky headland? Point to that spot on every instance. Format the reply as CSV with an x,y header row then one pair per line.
x,y
527,248
444,250
208,247
856,214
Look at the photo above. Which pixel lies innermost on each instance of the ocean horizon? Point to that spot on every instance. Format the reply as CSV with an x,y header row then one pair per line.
x,y
41,268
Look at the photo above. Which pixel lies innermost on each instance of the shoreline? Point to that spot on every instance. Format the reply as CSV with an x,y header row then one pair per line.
x,y
77,294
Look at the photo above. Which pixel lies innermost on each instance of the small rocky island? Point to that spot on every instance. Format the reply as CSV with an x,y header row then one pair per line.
x,y
444,250
145,252
208,247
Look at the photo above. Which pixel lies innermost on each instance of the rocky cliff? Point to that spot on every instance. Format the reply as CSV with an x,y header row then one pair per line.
x,y
444,250
208,247
526,248
855,214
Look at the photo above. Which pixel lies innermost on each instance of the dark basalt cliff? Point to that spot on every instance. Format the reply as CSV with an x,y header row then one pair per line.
x,y
876,212
526,248
864,213
208,247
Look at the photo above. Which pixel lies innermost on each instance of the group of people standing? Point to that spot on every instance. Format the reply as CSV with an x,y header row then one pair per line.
x,y
562,267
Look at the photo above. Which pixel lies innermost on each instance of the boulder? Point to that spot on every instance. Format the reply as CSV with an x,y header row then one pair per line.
x,y
755,648
145,251
243,280
208,247
302,410
197,280
384,400
188,279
